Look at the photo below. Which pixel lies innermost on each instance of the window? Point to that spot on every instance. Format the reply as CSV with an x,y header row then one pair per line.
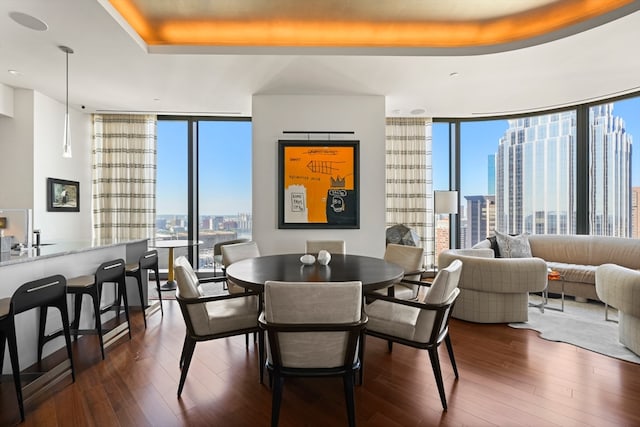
x,y
221,184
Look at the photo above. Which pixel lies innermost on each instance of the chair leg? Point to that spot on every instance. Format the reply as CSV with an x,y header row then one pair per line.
x,y
447,341
77,304
390,346
347,381
276,399
261,355
435,364
13,355
95,295
138,278
184,349
189,347
67,335
157,274
122,287
41,330
361,357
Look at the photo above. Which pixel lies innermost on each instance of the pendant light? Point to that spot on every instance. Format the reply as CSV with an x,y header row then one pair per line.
x,y
66,142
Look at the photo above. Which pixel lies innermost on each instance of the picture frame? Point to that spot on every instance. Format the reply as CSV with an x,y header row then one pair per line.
x,y
63,195
318,184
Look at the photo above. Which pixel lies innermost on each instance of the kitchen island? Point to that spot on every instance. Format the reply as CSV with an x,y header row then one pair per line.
x,y
69,259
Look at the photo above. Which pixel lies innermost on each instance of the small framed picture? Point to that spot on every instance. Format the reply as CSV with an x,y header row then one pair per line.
x,y
63,195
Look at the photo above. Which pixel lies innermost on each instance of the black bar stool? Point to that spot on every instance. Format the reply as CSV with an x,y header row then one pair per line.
x,y
148,261
107,272
42,293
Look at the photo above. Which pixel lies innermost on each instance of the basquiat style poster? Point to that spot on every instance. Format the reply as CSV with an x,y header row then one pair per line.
x,y
318,184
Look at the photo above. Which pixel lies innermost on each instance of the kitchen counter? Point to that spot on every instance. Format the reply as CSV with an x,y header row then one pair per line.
x,y
49,250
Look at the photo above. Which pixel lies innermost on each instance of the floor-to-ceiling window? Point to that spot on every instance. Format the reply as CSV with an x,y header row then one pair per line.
x,y
203,183
530,173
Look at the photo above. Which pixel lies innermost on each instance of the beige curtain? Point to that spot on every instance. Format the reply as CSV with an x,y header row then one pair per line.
x,y
409,186
124,176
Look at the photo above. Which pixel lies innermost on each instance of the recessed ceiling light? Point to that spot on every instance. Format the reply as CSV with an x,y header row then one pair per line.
x,y
454,74
14,72
28,21
417,111
396,111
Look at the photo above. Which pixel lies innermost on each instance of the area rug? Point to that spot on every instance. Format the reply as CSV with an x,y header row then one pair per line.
x,y
582,325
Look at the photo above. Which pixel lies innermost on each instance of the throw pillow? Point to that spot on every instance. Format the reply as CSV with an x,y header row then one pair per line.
x,y
494,246
513,246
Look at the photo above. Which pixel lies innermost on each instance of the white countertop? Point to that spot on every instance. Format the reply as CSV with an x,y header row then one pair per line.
x,y
59,249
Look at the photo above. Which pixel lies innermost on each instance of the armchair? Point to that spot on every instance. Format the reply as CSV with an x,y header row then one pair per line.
x,y
313,330
212,317
619,287
422,324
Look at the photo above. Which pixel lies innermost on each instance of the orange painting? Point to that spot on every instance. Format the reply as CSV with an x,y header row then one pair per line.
x,y
319,184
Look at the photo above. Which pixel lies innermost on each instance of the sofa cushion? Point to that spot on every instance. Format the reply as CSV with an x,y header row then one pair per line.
x,y
494,245
575,272
513,246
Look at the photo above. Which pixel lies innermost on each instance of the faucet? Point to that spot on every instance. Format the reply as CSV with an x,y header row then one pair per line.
x,y
36,240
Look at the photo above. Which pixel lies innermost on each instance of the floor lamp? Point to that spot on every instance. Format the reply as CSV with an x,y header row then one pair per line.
x,y
444,202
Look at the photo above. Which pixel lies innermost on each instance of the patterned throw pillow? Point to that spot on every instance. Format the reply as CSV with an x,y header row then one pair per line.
x,y
513,246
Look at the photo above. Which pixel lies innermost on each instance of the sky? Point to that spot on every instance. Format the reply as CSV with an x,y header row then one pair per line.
x,y
485,136
225,160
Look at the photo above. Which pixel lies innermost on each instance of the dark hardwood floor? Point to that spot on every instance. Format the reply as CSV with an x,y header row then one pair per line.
x,y
508,377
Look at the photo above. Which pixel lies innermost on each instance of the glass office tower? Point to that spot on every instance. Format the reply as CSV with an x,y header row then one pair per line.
x,y
536,170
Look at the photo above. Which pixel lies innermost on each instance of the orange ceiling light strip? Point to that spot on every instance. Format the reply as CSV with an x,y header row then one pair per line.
x,y
365,34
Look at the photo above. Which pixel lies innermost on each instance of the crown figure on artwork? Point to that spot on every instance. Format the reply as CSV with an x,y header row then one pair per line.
x,y
338,182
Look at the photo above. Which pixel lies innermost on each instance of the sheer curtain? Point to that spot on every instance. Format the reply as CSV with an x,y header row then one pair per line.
x,y
409,184
124,176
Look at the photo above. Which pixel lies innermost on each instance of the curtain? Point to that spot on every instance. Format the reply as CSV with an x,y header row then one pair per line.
x,y
124,176
408,177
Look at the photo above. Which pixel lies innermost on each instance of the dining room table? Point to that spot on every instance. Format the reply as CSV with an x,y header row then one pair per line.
x,y
171,244
374,273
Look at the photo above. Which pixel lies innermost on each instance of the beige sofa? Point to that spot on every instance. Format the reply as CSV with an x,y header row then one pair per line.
x,y
620,288
576,257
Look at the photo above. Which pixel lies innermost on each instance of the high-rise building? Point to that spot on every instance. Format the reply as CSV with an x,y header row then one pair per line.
x,y
480,216
491,175
635,212
535,174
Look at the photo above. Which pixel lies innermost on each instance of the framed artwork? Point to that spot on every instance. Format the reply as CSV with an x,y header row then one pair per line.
x,y
318,184
63,195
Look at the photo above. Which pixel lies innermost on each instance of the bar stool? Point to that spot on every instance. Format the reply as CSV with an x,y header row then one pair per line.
x,y
43,293
107,272
148,261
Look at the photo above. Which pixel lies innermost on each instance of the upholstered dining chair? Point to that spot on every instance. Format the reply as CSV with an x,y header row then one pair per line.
x,y
423,323
217,255
212,317
237,252
411,259
332,246
313,330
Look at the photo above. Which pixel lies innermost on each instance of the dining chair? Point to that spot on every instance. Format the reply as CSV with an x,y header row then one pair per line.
x,y
411,259
209,317
423,323
217,256
313,330
237,252
331,246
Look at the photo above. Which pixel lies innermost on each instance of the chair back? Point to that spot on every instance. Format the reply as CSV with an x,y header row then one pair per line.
x,y
331,246
237,252
195,315
149,260
110,271
313,325
49,291
217,248
433,321
410,258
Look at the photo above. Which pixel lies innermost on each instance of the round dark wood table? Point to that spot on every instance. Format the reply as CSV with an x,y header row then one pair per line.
x,y
374,273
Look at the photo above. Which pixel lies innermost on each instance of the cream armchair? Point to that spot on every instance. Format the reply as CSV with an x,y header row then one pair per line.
x,y
620,288
495,290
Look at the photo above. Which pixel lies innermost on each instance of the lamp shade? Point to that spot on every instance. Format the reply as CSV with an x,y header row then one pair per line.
x,y
445,202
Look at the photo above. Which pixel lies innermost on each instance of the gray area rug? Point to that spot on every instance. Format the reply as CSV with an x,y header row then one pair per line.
x,y
581,324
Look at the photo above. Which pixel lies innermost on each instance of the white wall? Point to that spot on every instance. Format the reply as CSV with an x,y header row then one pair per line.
x,y
31,147
273,114
49,163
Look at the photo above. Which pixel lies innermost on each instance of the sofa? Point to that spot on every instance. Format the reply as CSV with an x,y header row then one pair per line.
x,y
575,257
620,288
